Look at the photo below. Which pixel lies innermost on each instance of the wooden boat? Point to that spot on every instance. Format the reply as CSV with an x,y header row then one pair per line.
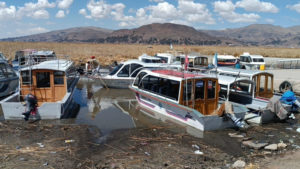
x,y
9,81
195,62
250,88
263,80
123,75
187,98
52,82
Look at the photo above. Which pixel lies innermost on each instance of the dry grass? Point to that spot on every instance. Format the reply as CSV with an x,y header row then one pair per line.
x,y
107,53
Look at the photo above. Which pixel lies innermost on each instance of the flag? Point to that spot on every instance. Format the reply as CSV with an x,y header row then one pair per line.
x,y
186,62
215,60
171,46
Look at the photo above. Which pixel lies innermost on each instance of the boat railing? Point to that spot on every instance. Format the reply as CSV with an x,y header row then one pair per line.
x,y
286,64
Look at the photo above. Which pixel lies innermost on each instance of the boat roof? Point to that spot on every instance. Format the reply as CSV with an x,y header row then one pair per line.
x,y
58,64
180,75
164,54
150,64
145,56
226,57
240,71
192,56
43,52
227,80
253,56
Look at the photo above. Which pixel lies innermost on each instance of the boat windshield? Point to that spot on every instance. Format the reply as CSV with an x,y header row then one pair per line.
x,y
258,60
116,69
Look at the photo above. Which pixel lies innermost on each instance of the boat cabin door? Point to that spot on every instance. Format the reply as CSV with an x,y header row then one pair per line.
x,y
264,85
201,94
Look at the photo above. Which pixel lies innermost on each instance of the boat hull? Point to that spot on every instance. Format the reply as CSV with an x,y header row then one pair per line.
x,y
122,83
185,117
8,86
12,108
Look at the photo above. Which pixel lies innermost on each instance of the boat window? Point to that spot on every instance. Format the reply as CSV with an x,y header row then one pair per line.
x,y
241,87
136,71
124,72
269,83
42,79
211,89
262,83
168,88
163,59
116,69
199,89
258,60
26,78
59,77
133,67
137,81
187,91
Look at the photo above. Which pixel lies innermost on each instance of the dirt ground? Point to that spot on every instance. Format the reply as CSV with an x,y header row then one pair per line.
x,y
46,145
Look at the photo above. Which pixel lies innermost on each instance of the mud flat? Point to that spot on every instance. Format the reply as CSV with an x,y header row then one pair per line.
x,y
56,145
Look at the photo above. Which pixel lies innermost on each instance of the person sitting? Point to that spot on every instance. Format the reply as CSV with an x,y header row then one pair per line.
x,y
31,104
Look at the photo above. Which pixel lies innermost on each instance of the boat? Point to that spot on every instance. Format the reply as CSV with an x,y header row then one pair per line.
x,y
252,62
195,61
263,80
29,57
149,59
2,57
123,75
186,98
9,80
253,89
225,60
51,82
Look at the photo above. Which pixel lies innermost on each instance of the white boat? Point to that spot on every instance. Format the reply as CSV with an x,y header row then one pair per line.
x,y
250,88
9,81
52,82
2,57
149,59
29,57
225,60
185,98
252,62
123,75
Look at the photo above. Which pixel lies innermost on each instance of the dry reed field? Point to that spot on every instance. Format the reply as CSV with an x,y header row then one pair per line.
x,y
107,53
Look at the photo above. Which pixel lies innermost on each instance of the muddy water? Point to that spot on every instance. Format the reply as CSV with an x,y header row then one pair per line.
x,y
115,109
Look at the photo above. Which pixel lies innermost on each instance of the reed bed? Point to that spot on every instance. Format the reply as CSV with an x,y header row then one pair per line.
x,y
107,53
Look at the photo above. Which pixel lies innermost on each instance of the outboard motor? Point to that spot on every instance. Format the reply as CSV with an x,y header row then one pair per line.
x,y
238,122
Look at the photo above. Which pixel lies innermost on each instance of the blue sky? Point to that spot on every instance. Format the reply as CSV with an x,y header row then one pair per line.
x,y
25,17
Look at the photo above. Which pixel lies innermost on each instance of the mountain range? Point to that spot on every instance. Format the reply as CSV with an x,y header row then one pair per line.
x,y
167,33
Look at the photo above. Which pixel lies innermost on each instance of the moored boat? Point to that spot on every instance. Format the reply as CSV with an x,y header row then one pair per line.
x,y
187,98
123,75
51,82
9,80
225,60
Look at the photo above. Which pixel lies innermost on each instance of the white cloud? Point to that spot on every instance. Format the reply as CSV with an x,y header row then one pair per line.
x,y
156,1
257,6
226,9
7,12
60,14
64,4
295,7
187,11
35,10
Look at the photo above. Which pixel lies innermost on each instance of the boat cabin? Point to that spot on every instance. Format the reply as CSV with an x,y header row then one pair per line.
x,y
150,59
263,80
49,81
194,61
226,60
252,62
199,92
